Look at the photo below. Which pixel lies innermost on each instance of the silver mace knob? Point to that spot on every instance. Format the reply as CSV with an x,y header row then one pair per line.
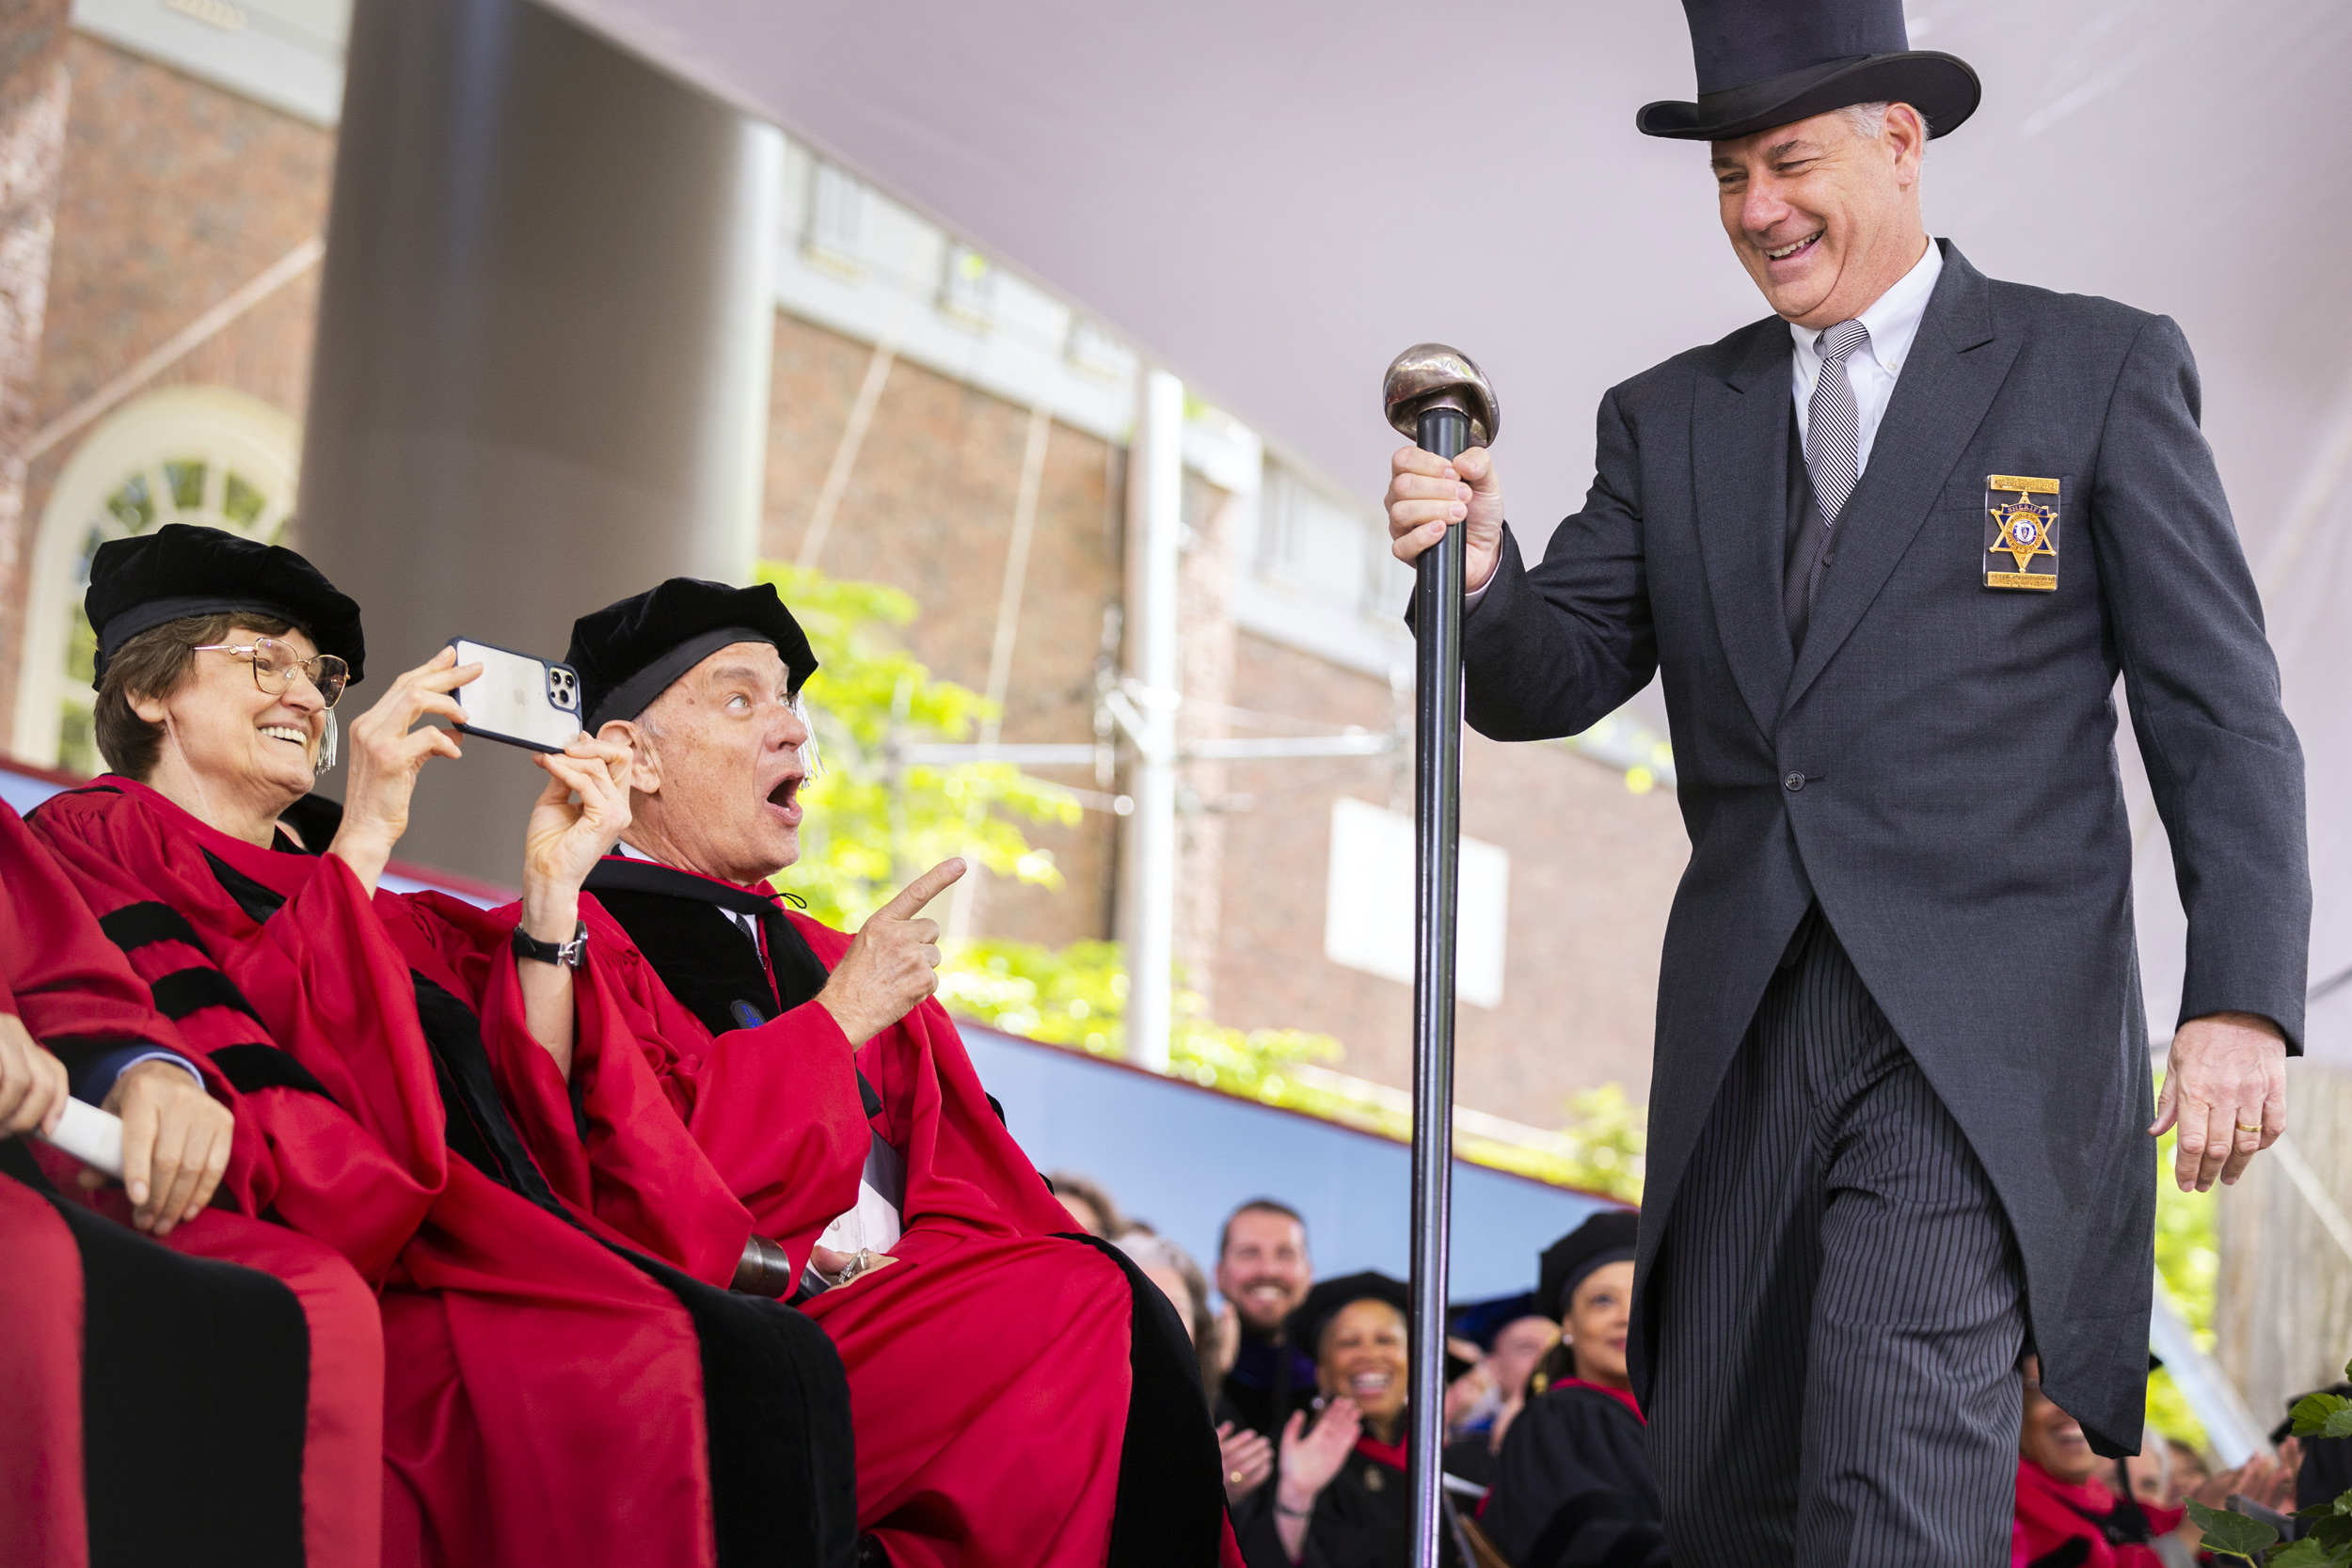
x,y
1432,376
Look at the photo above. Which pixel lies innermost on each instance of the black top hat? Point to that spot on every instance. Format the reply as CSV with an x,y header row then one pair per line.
x,y
182,570
630,653
1606,1238
1763,63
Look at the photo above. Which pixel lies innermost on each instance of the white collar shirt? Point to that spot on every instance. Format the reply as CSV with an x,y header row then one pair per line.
x,y
1893,323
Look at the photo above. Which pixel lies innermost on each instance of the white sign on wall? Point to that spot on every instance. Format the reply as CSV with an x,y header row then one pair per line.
x,y
1368,914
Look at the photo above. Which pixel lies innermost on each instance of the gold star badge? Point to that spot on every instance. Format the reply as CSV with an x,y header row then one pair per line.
x,y
2020,523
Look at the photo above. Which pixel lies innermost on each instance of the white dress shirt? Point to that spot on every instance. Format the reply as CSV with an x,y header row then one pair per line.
x,y
1893,323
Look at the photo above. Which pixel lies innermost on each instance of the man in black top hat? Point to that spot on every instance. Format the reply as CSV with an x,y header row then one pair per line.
x,y
1890,548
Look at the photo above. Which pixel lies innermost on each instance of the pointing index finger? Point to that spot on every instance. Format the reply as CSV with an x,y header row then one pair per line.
x,y
923,889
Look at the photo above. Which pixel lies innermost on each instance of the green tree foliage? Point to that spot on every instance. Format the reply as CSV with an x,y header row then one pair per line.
x,y
2188,1260
873,822
2325,1531
1077,997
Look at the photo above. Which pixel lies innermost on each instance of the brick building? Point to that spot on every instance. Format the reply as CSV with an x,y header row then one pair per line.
x,y
936,423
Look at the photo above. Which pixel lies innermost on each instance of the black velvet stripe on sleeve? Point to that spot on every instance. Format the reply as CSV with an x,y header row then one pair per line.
x,y
185,991
477,1125
1171,1502
258,902
251,1068
135,926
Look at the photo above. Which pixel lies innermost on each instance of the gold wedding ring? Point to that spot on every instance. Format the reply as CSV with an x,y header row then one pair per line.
x,y
2243,1128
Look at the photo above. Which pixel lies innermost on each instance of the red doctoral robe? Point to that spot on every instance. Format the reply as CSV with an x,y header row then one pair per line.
x,y
184,1379
560,1393
1021,1395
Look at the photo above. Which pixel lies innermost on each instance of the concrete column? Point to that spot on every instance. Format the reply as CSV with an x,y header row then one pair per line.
x,y
34,89
1147,922
541,359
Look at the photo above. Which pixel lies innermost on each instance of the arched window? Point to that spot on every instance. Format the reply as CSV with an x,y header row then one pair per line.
x,y
183,454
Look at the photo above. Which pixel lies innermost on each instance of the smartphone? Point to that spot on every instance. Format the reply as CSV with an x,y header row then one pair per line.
x,y
518,699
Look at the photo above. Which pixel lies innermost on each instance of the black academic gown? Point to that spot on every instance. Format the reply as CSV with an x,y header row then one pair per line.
x,y
1573,1486
1363,1519
1266,1383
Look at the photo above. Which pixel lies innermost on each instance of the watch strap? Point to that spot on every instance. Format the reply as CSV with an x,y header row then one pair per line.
x,y
566,955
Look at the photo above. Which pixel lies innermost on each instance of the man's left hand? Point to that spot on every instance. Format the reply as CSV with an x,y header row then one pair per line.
x,y
2225,1086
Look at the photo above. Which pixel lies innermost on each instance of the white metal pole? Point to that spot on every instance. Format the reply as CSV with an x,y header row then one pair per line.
x,y
1156,487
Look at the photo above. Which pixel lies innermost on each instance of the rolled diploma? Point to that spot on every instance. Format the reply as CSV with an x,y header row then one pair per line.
x,y
90,1135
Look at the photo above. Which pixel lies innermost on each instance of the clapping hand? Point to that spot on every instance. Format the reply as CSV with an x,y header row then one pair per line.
x,y
1312,1459
1247,1459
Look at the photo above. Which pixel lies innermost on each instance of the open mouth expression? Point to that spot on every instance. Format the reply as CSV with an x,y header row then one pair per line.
x,y
785,800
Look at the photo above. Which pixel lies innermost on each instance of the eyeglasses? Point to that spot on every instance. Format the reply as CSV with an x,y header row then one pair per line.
x,y
275,663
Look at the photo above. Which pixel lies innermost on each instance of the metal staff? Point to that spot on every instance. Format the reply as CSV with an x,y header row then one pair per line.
x,y
1435,395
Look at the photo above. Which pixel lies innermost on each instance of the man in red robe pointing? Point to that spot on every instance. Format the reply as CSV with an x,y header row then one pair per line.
x,y
1020,1394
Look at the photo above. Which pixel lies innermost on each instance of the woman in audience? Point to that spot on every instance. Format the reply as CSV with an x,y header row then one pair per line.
x,y
2076,1510
1339,1497
547,1397
1573,1486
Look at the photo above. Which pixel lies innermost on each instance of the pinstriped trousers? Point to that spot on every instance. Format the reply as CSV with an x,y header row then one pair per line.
x,y
1841,1311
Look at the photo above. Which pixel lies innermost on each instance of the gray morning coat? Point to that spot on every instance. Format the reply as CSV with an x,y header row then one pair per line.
x,y
1938,768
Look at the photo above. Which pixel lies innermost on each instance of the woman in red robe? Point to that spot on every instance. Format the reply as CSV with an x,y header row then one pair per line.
x,y
224,1387
560,1391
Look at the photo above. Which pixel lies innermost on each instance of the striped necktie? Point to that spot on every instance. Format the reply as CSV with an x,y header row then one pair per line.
x,y
1833,463
1833,447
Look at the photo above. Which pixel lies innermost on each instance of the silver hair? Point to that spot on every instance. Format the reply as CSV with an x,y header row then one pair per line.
x,y
1867,120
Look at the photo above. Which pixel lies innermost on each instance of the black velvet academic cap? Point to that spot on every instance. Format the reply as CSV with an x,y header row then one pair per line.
x,y
182,570
1763,63
630,653
1313,1315
1606,1238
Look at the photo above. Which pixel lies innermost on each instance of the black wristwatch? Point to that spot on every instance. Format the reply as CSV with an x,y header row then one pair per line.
x,y
569,955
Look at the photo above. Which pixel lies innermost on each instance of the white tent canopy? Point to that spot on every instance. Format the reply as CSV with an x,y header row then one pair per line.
x,y
1273,199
